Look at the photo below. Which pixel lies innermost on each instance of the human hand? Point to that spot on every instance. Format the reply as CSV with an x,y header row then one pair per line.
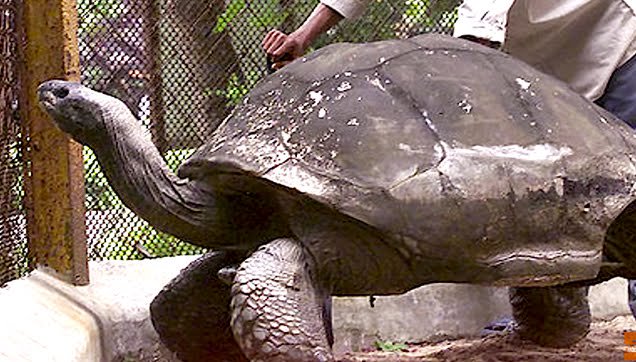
x,y
282,48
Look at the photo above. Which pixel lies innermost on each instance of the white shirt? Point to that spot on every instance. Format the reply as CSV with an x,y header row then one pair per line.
x,y
483,18
580,42
350,9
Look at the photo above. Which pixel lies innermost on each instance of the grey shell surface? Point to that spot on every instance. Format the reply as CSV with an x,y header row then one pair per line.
x,y
437,142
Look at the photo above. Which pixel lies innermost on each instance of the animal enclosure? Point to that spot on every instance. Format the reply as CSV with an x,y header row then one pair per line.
x,y
180,66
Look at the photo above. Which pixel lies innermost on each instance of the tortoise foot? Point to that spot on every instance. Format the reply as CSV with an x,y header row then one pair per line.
x,y
278,311
551,316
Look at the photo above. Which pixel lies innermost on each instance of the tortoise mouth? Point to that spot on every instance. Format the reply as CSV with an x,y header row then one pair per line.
x,y
47,100
50,93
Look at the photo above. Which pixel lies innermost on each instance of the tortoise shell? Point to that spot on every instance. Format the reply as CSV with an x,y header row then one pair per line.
x,y
458,154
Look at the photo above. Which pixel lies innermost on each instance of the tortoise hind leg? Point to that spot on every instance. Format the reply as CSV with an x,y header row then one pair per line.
x,y
278,311
556,316
192,313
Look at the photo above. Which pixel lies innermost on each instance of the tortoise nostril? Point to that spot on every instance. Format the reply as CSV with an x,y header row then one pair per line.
x,y
61,92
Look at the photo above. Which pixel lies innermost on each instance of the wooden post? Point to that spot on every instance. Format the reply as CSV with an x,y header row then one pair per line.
x,y
54,179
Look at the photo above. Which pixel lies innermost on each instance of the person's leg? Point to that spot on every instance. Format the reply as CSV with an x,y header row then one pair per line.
x,y
620,99
620,95
631,290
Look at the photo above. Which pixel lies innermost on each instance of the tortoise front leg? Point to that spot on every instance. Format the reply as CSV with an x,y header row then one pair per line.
x,y
556,316
192,313
278,309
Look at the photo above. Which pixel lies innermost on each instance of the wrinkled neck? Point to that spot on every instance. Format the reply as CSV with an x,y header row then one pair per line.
x,y
140,177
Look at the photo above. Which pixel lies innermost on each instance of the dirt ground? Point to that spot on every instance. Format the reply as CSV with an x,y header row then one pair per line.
x,y
605,342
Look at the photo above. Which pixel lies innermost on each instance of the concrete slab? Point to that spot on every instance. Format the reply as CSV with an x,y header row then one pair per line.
x,y
44,319
440,311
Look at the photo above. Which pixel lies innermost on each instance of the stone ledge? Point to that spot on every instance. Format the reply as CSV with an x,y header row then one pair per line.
x,y
44,319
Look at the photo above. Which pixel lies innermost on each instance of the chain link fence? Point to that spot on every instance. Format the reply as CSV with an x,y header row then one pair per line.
x,y
181,65
13,242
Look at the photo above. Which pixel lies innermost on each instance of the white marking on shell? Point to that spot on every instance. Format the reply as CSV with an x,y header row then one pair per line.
x,y
377,83
316,97
533,153
439,151
531,254
524,84
408,148
344,86
558,186
428,121
286,136
465,106
296,177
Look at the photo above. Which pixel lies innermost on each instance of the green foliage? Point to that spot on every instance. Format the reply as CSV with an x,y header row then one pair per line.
x,y
95,12
15,179
395,19
174,158
237,88
388,346
142,242
262,14
233,8
99,194
137,239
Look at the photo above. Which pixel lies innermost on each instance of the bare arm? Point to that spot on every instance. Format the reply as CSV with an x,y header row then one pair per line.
x,y
284,48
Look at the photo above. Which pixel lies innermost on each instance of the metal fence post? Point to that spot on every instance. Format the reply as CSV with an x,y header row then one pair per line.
x,y
54,180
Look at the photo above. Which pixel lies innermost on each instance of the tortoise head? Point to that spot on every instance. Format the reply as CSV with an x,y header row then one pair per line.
x,y
81,112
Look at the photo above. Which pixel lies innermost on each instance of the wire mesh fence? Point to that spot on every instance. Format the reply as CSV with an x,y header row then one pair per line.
x,y
181,65
13,243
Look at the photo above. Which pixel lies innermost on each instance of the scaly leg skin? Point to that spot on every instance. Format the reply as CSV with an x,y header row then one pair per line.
x,y
278,311
192,313
556,316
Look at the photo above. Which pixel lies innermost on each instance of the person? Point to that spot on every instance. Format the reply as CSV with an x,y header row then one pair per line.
x,y
586,43
482,21
283,48
589,44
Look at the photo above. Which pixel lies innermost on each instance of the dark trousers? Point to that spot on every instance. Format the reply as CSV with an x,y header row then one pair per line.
x,y
620,99
620,95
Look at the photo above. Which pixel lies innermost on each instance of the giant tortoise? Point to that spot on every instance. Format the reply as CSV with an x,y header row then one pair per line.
x,y
372,169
